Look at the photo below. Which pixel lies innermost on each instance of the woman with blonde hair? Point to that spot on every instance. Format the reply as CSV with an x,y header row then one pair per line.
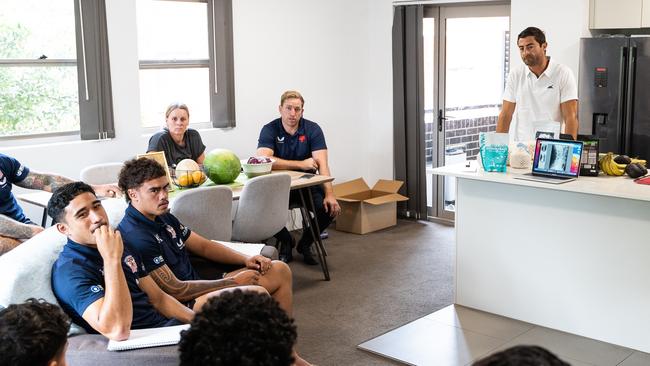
x,y
176,140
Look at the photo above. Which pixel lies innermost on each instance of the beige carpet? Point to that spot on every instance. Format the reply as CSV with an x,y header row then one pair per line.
x,y
380,281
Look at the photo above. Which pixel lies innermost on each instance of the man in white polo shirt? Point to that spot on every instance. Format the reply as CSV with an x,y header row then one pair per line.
x,y
539,93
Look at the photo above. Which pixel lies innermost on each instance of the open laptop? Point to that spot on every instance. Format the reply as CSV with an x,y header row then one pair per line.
x,y
555,161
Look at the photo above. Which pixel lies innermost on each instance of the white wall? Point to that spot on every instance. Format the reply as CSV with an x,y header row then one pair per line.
x,y
336,52
564,23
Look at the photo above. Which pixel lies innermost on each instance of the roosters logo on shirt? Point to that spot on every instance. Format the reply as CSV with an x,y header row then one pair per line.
x,y
171,231
302,138
129,261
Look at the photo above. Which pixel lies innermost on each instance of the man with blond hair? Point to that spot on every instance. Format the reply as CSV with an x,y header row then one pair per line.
x,y
296,143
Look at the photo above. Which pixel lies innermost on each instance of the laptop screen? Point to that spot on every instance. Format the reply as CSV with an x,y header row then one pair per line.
x,y
557,158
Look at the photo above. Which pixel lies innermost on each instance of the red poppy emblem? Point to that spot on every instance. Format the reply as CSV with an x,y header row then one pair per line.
x,y
302,138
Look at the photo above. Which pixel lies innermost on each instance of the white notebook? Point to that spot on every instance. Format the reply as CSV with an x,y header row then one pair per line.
x,y
149,337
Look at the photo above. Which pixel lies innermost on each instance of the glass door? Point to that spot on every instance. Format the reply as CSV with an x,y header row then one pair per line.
x,y
468,77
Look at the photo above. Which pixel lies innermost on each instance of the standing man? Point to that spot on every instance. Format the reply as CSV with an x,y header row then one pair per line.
x,y
296,143
15,227
538,92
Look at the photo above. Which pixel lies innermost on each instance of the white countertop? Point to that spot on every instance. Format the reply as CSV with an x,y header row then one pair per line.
x,y
603,185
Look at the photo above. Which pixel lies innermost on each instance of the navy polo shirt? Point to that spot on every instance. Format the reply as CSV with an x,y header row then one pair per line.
x,y
11,172
78,281
158,242
299,146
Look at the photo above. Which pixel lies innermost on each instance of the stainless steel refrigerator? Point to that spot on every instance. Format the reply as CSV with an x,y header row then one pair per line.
x,y
614,93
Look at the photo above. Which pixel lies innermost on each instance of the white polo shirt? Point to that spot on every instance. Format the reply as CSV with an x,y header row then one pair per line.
x,y
537,99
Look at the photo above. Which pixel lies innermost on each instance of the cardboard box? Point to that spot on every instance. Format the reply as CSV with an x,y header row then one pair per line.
x,y
364,210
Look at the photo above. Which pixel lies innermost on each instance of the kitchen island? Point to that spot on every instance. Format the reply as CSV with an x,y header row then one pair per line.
x,y
573,257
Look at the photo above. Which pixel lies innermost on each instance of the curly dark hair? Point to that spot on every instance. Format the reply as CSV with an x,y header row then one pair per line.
x,y
32,334
137,171
62,196
239,328
522,356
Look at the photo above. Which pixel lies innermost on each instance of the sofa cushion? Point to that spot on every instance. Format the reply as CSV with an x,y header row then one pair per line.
x,y
90,349
26,270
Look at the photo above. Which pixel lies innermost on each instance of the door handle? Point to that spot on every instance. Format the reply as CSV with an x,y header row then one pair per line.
x,y
440,119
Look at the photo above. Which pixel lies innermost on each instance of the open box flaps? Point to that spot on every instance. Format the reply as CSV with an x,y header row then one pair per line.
x,y
363,209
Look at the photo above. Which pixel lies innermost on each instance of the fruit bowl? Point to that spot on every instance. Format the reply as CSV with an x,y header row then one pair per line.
x,y
256,166
187,178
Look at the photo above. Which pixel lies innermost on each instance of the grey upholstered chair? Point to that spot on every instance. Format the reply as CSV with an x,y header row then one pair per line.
x,y
206,210
263,208
101,173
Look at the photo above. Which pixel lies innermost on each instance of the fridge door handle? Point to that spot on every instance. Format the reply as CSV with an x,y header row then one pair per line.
x,y
621,95
629,104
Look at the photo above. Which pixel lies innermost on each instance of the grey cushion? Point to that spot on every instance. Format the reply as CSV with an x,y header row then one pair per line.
x,y
205,210
104,173
263,208
90,349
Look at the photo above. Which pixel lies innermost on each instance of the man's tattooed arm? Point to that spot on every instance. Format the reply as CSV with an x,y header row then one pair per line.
x,y
43,181
13,229
186,290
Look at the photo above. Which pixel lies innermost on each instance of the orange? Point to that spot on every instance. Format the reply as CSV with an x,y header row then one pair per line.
x,y
197,177
184,180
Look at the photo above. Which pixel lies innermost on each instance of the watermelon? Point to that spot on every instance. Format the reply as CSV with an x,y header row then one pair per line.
x,y
221,166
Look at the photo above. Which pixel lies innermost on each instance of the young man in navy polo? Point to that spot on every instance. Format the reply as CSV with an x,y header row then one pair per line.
x,y
15,227
164,244
296,143
99,283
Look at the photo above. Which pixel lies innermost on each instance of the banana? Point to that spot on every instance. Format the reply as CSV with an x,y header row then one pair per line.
x,y
604,164
615,168
610,167
639,161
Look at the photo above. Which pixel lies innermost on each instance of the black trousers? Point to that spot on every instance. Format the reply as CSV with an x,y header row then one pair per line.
x,y
324,219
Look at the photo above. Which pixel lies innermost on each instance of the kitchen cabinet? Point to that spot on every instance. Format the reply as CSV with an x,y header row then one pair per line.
x,y
619,14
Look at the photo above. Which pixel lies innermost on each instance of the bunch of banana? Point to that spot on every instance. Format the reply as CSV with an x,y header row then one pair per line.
x,y
611,167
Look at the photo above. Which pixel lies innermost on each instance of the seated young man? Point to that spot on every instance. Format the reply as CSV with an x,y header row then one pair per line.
x,y
163,243
239,328
34,333
98,281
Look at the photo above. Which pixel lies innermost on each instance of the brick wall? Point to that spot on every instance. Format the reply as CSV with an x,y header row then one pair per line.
x,y
463,133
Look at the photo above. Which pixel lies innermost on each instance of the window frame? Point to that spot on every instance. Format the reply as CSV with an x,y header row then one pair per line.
x,y
219,64
94,88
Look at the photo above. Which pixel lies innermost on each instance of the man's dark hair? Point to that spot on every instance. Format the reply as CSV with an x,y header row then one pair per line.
x,y
522,356
239,328
62,196
137,171
539,35
32,334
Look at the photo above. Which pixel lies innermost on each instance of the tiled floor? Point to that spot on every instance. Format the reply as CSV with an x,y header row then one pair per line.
x,y
457,335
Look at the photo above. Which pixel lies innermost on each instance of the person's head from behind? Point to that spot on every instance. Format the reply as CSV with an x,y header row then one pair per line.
x,y
177,118
291,107
33,334
239,328
522,356
77,212
145,184
532,46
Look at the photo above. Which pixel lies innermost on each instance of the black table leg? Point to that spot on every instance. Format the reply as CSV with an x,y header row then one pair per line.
x,y
315,232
